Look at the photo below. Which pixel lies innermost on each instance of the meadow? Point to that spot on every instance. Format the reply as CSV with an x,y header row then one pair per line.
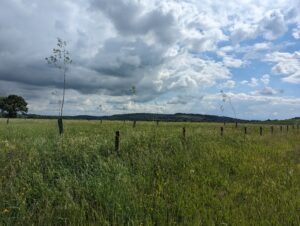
x,y
157,177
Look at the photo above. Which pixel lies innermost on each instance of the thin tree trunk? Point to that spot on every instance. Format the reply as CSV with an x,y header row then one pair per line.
x,y
60,119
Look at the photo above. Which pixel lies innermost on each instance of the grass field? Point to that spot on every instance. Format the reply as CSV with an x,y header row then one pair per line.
x,y
157,178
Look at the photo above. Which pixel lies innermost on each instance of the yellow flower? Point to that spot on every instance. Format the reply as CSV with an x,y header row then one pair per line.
x,y
5,211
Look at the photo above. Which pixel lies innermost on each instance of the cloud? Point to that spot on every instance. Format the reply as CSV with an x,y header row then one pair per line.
x,y
269,91
262,45
230,84
131,18
273,25
164,48
232,62
265,79
286,64
296,32
252,83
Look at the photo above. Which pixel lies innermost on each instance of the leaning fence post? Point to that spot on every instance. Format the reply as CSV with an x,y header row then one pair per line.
x,y
260,131
117,141
222,131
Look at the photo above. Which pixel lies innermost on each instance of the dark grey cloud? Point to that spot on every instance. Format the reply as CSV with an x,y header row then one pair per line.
x,y
129,18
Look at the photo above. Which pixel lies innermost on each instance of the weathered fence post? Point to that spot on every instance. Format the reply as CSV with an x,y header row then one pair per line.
x,y
117,141
287,128
272,129
260,130
60,126
236,124
280,128
222,131
245,130
183,133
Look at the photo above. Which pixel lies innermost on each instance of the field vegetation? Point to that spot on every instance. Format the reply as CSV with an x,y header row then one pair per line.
x,y
158,177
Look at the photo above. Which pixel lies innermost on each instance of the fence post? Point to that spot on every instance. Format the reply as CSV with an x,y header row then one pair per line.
x,y
272,129
222,131
280,128
183,133
117,141
60,126
260,130
236,124
245,130
157,122
287,128
134,124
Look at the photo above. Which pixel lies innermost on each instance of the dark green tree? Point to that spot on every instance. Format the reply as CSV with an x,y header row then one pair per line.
x,y
12,105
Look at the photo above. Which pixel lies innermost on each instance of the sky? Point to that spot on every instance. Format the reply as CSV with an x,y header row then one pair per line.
x,y
191,56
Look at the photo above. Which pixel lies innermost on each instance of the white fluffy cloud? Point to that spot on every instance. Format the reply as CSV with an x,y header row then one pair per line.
x,y
265,79
296,32
252,83
287,65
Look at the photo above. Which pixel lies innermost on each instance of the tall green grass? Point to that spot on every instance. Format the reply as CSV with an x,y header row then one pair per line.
x,y
157,178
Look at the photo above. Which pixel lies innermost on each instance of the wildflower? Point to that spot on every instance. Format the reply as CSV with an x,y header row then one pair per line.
x,y
5,211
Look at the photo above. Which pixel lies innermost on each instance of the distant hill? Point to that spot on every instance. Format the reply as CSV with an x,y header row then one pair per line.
x,y
178,117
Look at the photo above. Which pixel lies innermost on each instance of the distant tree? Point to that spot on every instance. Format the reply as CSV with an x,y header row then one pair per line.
x,y
1,105
12,105
61,60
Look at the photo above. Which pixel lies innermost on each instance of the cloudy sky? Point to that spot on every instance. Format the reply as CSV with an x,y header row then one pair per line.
x,y
178,54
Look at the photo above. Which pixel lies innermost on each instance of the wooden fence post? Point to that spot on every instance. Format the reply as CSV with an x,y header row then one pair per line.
x,y
134,124
222,131
260,130
272,129
117,141
60,126
280,128
287,128
157,122
183,133
236,124
245,130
